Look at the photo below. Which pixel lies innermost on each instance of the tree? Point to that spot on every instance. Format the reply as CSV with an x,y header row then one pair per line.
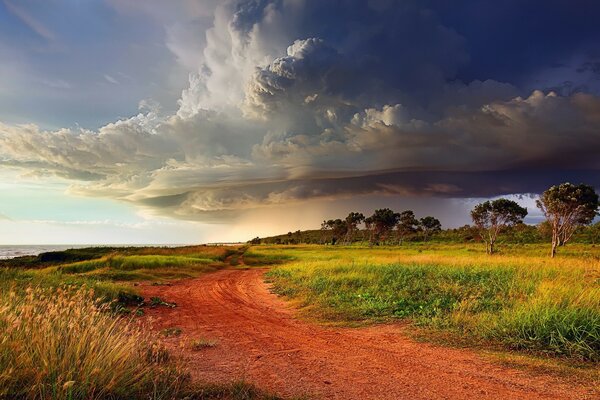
x,y
566,207
407,224
491,217
380,224
429,225
352,221
369,229
337,227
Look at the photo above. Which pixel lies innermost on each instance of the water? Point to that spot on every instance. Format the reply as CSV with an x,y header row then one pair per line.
x,y
11,251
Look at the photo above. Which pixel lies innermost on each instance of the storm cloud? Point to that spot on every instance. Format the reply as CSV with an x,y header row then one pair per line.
x,y
299,100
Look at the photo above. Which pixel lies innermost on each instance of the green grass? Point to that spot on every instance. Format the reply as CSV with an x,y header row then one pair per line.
x,y
19,280
519,299
109,274
68,335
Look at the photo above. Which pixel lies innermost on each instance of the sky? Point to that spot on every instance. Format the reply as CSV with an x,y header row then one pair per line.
x,y
191,121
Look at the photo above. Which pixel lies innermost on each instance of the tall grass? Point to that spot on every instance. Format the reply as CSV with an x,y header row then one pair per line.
x,y
18,280
520,299
67,345
62,338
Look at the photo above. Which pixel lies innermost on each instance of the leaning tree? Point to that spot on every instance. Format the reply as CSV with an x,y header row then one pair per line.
x,y
566,207
491,217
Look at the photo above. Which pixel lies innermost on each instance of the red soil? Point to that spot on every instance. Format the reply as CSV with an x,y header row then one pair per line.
x,y
259,340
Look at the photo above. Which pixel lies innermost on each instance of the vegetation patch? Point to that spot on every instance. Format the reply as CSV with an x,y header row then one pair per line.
x,y
66,345
521,299
157,301
173,331
202,343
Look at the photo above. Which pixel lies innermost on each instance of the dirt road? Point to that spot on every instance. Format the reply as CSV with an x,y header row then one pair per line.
x,y
261,341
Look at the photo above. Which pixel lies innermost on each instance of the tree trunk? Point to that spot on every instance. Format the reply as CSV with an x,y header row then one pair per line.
x,y
555,244
491,248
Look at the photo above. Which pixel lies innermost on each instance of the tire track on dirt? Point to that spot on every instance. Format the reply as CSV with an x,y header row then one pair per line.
x,y
261,341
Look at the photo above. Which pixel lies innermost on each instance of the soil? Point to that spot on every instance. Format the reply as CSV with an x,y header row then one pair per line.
x,y
260,339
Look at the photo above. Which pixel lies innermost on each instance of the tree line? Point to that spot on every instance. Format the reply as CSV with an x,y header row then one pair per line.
x,y
383,227
568,208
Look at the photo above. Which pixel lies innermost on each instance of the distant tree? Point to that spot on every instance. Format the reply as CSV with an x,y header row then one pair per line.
x,y
256,240
407,224
324,229
545,230
467,233
429,225
337,227
491,217
566,207
370,230
352,221
381,223
594,233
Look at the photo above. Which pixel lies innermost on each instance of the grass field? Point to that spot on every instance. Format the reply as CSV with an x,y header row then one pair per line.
x,y
520,299
65,335
109,273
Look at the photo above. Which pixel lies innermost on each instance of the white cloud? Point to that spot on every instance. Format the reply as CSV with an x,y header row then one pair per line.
x,y
110,79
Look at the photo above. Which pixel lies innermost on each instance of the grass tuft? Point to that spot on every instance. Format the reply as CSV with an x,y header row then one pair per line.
x,y
203,343
67,345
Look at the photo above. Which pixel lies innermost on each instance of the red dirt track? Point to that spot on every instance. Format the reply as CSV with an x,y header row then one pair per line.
x,y
261,341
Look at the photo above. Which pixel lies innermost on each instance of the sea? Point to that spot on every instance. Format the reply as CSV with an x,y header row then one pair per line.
x,y
12,251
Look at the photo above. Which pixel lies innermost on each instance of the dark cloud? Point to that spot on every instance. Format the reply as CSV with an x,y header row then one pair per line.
x,y
304,101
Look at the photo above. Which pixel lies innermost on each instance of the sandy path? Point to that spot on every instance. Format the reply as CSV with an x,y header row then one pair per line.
x,y
259,340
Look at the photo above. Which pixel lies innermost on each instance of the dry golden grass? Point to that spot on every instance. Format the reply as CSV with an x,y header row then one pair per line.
x,y
66,345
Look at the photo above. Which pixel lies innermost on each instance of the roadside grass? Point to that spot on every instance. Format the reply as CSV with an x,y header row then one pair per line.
x,y
110,274
18,280
67,333
259,258
63,344
520,299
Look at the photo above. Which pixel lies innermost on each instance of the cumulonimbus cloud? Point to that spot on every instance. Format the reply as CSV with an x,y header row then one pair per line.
x,y
284,111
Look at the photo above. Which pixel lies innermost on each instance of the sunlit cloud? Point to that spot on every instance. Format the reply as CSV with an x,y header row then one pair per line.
x,y
280,111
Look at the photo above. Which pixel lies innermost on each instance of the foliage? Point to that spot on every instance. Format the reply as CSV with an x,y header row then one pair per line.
x,y
491,217
407,224
380,224
352,221
337,227
429,225
567,206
